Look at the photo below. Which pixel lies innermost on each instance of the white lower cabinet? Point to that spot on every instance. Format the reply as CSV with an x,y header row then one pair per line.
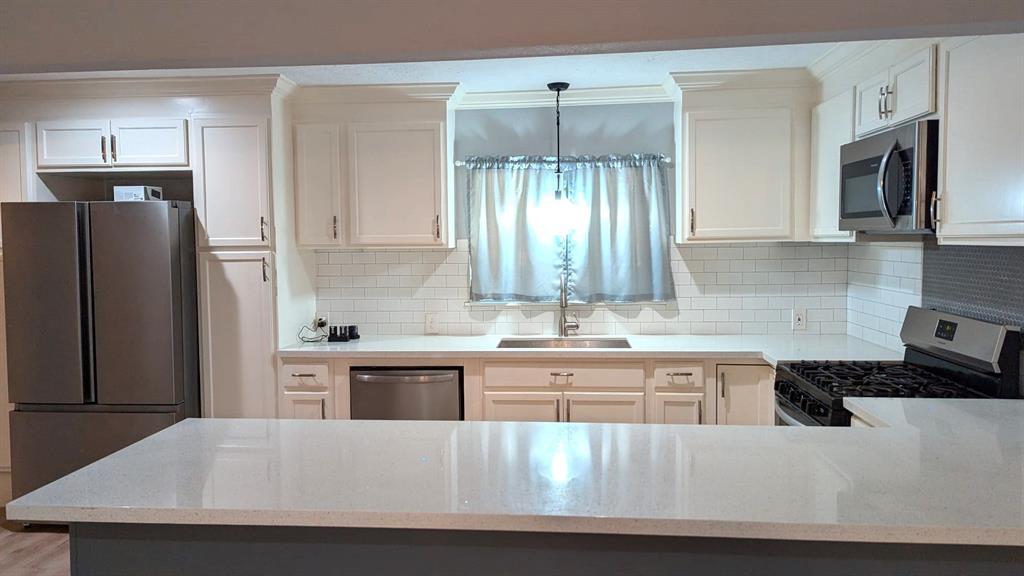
x,y
746,395
678,408
237,340
625,407
307,391
523,406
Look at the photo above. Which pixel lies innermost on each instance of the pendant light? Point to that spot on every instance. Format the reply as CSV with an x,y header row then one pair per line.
x,y
557,88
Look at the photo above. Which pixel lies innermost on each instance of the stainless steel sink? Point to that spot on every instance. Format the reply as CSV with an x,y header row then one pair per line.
x,y
564,343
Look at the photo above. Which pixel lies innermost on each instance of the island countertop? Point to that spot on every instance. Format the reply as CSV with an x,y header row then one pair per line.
x,y
942,472
772,348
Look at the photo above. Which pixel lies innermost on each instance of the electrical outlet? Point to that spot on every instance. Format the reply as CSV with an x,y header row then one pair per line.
x,y
430,324
800,319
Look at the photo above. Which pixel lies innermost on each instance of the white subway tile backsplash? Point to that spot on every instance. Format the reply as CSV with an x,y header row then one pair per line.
x,y
883,279
720,289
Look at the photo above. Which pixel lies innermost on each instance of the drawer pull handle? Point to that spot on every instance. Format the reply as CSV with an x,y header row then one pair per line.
x,y
562,374
302,375
679,374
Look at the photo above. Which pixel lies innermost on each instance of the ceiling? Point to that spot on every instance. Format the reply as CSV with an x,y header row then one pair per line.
x,y
91,35
513,74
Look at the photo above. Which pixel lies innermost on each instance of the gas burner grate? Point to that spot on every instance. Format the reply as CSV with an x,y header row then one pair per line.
x,y
878,379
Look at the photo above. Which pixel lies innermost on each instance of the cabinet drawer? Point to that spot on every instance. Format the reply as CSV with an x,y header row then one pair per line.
x,y
305,377
575,375
679,375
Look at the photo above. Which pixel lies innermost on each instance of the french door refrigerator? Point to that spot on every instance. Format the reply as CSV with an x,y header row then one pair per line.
x,y
102,335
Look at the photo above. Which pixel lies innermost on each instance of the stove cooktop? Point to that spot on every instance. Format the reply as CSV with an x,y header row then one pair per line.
x,y
878,379
818,388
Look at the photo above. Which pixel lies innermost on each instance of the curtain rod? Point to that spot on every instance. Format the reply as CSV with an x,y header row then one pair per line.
x,y
663,158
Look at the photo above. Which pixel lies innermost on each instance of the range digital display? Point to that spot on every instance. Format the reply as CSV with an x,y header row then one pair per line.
x,y
945,330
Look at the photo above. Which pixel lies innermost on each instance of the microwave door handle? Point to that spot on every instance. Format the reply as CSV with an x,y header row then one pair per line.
x,y
883,168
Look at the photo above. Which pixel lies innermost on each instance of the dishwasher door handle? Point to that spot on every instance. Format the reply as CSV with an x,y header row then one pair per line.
x,y
421,379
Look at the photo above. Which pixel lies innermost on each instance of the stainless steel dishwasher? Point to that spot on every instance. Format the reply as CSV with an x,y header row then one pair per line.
x,y
406,393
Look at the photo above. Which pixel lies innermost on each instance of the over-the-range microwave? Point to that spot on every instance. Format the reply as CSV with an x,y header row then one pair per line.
x,y
888,181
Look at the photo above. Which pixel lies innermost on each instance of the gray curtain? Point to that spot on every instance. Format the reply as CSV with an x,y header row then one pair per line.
x,y
608,231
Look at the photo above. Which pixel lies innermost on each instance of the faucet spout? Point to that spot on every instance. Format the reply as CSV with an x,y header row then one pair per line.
x,y
564,324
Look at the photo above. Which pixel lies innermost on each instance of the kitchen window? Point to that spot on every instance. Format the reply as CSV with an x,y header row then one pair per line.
x,y
607,229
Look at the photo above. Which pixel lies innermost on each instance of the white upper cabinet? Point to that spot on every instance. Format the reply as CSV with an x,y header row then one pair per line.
x,y
739,177
373,166
831,127
902,92
72,143
318,189
982,175
870,109
12,163
236,321
148,142
744,149
396,183
106,143
231,181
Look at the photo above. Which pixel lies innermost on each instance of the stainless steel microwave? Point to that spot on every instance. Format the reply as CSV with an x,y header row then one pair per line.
x,y
888,181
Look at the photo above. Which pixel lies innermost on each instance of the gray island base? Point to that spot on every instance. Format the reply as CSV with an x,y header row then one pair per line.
x,y
166,549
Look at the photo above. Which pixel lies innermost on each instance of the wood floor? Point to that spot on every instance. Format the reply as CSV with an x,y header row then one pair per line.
x,y
35,551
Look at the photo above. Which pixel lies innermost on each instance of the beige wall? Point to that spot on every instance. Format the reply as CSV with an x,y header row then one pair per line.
x,y
63,35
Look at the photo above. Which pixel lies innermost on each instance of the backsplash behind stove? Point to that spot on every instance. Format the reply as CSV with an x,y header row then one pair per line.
x,y
984,282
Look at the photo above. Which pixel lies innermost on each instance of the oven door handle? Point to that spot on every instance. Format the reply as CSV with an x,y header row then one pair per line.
x,y
785,417
883,168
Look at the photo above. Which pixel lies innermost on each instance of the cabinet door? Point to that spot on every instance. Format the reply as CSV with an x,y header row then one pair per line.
x,y
12,163
148,142
831,127
523,406
746,395
317,185
396,183
912,82
870,111
230,181
305,407
739,173
72,143
236,334
627,407
982,194
676,408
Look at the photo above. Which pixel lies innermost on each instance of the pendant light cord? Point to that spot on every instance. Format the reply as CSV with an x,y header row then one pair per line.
x,y
558,140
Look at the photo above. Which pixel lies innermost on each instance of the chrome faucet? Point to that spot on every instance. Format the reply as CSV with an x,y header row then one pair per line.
x,y
564,324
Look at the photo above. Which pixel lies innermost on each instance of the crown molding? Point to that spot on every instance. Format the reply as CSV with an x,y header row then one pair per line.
x,y
377,93
145,87
742,79
840,56
579,97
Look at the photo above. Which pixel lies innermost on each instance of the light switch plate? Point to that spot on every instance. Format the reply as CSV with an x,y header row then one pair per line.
x,y
800,319
430,324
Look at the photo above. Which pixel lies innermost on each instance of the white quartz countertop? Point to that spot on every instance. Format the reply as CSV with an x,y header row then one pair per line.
x,y
771,348
949,471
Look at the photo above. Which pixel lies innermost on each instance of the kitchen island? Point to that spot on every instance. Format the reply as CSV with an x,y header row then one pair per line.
x,y
930,491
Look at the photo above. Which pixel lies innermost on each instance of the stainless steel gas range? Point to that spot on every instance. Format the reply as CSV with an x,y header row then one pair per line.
x,y
947,356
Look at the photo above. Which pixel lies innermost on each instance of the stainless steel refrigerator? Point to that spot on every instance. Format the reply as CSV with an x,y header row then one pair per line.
x,y
102,335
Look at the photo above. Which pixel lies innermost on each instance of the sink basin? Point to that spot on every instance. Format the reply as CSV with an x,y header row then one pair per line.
x,y
564,343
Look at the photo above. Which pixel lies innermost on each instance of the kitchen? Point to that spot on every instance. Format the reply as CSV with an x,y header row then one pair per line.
x,y
359,243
